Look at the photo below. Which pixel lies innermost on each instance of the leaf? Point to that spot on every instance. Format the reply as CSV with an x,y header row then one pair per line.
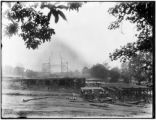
x,y
62,7
74,5
56,16
12,29
62,14
49,6
42,5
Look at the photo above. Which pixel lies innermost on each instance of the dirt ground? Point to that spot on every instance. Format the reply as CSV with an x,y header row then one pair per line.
x,y
58,104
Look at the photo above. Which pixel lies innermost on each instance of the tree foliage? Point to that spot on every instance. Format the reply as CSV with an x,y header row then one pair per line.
x,y
85,70
140,67
114,74
31,74
102,71
137,68
35,26
126,72
142,14
99,71
19,71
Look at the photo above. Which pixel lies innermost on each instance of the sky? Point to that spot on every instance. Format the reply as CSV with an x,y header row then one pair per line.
x,y
83,40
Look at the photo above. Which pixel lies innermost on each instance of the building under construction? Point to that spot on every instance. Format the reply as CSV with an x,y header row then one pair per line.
x,y
51,68
44,83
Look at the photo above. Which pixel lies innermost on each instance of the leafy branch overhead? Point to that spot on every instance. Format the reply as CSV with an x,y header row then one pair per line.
x,y
142,14
34,25
139,53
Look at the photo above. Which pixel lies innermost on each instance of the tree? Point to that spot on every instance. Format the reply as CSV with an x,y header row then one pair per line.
x,y
85,70
99,71
143,15
19,71
30,73
125,72
35,26
138,69
114,74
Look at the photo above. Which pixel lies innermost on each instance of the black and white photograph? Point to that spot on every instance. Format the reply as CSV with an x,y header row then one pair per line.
x,y
77,59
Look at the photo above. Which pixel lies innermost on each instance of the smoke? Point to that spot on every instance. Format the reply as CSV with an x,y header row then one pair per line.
x,y
55,50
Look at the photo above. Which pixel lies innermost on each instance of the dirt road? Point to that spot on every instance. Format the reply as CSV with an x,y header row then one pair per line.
x,y
57,104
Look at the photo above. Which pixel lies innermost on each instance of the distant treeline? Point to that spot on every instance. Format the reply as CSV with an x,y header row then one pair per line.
x,y
124,74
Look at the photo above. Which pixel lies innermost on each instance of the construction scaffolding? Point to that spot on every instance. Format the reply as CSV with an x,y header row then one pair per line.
x,y
50,68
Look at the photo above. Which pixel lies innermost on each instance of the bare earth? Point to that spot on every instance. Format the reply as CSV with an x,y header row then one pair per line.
x,y
58,104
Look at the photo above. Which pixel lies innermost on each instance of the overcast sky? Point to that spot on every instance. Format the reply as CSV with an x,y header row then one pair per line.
x,y
83,40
